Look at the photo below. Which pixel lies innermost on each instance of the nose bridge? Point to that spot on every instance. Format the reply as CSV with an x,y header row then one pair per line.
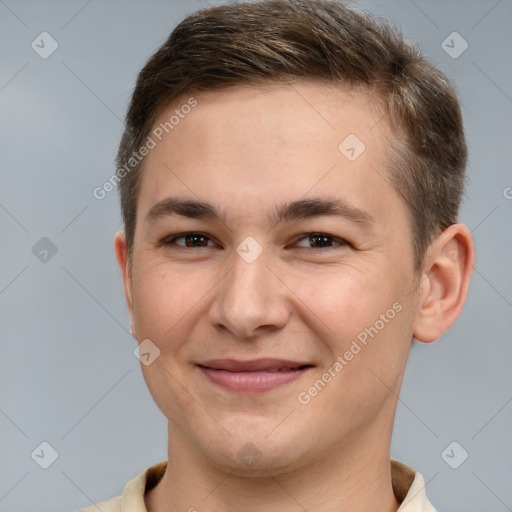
x,y
247,277
250,297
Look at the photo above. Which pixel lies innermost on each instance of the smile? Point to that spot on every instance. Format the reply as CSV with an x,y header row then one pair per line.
x,y
253,376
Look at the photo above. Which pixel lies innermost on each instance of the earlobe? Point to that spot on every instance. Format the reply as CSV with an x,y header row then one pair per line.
x,y
443,291
121,253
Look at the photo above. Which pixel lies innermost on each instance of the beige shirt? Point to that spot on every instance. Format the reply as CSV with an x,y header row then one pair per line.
x,y
408,486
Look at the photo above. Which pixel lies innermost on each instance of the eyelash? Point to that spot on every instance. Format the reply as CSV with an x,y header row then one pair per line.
x,y
170,240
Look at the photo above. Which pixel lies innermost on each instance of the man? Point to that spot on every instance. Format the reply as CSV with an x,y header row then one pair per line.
x,y
290,177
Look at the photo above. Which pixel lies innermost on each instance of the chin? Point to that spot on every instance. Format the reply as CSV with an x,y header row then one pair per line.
x,y
251,461
256,451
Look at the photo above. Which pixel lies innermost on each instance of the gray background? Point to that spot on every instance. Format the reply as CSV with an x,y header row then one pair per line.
x,y
68,374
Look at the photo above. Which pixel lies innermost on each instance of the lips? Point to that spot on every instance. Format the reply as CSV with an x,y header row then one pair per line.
x,y
253,376
255,365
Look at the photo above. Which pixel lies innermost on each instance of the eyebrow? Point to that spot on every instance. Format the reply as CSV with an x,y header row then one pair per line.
x,y
295,210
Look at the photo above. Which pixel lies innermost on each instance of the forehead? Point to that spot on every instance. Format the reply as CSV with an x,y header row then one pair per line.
x,y
269,144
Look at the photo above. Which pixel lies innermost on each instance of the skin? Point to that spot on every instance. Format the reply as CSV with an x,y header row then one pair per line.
x,y
245,151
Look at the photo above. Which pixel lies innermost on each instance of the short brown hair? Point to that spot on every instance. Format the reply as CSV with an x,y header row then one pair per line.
x,y
278,40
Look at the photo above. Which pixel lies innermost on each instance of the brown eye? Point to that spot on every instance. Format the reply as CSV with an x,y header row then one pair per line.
x,y
189,239
319,241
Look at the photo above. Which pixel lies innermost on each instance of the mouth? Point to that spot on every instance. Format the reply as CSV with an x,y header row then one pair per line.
x,y
253,376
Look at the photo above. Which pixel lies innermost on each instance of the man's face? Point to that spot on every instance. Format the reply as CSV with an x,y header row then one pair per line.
x,y
250,293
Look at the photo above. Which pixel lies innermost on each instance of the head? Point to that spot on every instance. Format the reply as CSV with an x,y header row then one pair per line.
x,y
261,121
276,41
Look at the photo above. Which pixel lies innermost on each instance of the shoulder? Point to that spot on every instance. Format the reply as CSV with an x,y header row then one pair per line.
x,y
132,498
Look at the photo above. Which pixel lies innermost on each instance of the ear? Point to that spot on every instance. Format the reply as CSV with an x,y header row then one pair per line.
x,y
445,282
121,253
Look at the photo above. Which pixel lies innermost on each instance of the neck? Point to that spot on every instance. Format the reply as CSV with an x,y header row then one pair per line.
x,y
348,479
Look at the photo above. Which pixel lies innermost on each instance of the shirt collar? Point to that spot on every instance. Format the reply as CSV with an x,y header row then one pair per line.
x,y
409,489
408,486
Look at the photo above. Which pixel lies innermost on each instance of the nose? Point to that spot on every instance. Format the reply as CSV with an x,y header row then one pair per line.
x,y
251,300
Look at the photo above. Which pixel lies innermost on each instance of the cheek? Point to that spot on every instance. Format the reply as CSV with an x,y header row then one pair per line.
x,y
364,318
163,298
346,298
164,302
